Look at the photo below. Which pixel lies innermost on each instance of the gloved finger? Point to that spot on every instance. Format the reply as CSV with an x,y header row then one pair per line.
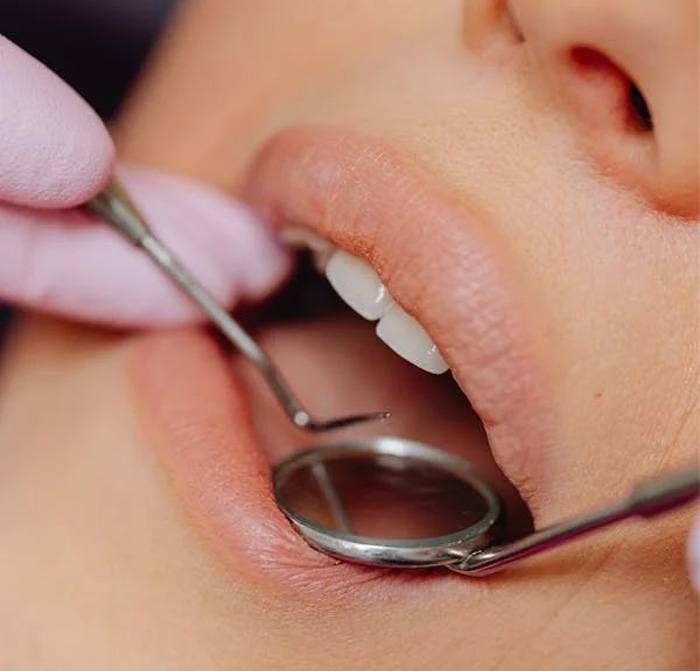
x,y
54,150
72,264
694,555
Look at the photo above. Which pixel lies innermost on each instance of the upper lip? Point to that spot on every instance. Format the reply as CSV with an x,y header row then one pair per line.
x,y
439,261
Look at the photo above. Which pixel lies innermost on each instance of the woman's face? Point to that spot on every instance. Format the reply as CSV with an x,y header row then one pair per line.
x,y
524,179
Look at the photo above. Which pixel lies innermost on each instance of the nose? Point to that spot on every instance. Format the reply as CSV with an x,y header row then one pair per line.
x,y
626,72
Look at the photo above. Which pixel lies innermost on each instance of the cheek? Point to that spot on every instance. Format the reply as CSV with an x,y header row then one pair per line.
x,y
615,288
93,537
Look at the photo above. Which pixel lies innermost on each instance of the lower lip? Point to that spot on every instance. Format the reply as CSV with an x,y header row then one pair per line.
x,y
195,415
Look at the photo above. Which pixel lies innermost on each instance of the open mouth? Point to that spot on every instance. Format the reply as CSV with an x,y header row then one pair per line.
x,y
432,287
445,291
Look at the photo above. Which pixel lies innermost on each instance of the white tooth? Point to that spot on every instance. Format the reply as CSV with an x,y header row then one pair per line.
x,y
408,339
358,285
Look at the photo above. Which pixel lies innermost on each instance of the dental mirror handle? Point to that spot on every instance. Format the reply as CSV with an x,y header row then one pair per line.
x,y
115,207
646,500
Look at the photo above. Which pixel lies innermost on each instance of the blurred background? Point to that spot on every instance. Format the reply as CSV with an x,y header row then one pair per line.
x,y
97,46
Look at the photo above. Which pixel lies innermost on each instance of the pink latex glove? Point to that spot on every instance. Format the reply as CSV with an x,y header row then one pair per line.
x,y
55,153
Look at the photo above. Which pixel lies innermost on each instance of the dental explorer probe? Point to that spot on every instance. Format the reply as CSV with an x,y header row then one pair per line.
x,y
116,208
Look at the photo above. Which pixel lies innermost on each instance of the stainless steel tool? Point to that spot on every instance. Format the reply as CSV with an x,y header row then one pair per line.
x,y
116,208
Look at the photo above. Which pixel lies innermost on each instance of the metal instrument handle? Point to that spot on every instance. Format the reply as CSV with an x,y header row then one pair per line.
x,y
646,500
115,207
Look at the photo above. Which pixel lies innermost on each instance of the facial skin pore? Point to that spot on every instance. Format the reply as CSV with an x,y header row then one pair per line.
x,y
522,115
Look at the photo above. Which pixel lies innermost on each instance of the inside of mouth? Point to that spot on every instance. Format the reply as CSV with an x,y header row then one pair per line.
x,y
333,360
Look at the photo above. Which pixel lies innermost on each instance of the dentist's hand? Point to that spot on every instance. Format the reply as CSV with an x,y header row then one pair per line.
x,y
55,154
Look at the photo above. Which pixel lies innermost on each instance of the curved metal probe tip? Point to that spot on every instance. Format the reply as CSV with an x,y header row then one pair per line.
x,y
303,421
115,207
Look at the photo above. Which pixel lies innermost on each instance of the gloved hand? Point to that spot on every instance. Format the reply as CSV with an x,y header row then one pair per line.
x,y
55,154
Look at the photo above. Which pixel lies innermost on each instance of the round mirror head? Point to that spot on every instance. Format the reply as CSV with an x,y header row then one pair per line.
x,y
386,501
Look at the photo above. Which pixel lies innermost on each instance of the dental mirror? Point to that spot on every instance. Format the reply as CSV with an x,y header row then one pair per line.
x,y
386,501
393,502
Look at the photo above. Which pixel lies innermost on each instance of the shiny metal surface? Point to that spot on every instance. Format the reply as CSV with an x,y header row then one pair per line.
x,y
468,550
429,551
645,500
114,206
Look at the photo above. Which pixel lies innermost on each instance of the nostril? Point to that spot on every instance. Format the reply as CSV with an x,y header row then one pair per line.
x,y
613,119
614,93
639,107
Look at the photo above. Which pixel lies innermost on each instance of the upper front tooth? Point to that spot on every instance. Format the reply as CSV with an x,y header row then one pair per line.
x,y
408,339
358,284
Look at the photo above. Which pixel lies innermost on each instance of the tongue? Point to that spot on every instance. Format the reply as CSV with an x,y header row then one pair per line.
x,y
337,366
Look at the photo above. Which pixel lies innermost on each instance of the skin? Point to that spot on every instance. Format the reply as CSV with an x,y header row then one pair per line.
x,y
49,160
598,219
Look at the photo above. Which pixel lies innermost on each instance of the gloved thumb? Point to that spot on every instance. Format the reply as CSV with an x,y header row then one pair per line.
x,y
55,152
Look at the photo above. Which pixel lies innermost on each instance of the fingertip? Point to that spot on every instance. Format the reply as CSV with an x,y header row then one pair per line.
x,y
57,153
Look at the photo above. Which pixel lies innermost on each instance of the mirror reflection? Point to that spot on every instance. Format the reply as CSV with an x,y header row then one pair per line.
x,y
382,496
